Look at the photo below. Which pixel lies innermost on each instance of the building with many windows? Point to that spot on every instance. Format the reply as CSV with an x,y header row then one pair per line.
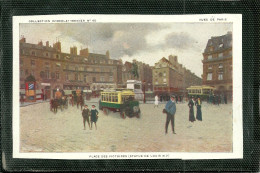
x,y
54,69
170,77
217,64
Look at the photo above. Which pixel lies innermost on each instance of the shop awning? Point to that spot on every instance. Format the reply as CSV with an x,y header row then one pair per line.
x,y
87,91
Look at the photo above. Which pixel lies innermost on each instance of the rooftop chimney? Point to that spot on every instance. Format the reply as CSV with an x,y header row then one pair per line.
x,y
47,43
229,32
73,50
57,46
107,54
84,52
22,40
40,43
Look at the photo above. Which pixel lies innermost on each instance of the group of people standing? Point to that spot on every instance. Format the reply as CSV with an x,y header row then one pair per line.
x,y
170,110
195,102
90,116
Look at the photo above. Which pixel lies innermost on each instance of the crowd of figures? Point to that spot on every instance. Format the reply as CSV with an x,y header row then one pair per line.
x,y
194,104
217,99
170,110
179,98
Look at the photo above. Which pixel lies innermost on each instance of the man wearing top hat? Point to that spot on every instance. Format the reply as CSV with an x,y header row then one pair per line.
x,y
170,108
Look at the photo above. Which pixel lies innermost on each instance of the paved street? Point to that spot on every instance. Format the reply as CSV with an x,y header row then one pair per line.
x,y
44,131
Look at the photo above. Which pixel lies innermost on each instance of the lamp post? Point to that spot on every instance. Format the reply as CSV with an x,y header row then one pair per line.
x,y
144,89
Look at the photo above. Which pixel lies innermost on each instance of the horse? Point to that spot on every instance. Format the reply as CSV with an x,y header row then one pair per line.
x,y
54,104
80,101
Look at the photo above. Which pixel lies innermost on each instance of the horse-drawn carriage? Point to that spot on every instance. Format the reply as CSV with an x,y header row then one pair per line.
x,y
56,103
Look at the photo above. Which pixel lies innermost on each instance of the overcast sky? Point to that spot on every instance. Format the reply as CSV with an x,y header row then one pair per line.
x,y
147,42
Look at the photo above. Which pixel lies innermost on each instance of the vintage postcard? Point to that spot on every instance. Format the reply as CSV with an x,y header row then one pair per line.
x,y
127,86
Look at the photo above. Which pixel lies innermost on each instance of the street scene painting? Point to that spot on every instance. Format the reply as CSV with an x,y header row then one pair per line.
x,y
88,85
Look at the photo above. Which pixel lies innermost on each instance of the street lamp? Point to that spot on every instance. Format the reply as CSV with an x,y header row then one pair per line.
x,y
144,89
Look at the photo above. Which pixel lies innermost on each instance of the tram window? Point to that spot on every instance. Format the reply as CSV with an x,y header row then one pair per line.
x,y
113,98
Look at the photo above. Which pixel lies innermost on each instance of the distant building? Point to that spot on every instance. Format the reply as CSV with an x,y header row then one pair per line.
x,y
54,69
217,64
170,77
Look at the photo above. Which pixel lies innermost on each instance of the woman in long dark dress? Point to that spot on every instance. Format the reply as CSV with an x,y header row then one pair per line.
x,y
94,116
191,112
199,114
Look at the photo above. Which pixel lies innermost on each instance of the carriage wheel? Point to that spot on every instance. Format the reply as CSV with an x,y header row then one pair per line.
x,y
122,114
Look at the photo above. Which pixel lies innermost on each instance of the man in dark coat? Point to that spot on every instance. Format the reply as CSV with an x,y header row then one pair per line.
x,y
170,108
94,116
191,112
85,115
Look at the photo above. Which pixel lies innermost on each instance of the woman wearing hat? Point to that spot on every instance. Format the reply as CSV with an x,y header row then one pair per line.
x,y
191,112
199,114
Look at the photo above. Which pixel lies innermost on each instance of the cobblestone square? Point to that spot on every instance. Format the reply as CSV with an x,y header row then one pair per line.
x,y
43,131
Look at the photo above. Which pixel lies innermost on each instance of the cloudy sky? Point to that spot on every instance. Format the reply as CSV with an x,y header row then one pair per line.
x,y
147,42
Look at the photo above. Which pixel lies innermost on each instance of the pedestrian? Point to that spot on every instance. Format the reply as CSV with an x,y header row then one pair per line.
x,y
199,114
94,116
222,99
217,100
191,112
156,101
170,108
85,115
225,98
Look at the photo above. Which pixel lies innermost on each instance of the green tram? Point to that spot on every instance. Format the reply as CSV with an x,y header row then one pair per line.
x,y
120,101
200,91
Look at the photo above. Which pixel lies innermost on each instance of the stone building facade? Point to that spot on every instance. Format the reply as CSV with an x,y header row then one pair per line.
x,y
170,77
54,69
217,64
